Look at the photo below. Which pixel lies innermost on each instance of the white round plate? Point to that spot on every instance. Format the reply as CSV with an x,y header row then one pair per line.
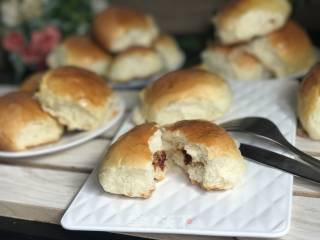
x,y
69,140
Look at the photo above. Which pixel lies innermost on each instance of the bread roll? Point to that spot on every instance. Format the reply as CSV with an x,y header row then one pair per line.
x,y
23,124
232,62
170,52
117,29
184,94
134,162
80,51
206,152
309,103
285,51
80,99
135,63
32,82
241,20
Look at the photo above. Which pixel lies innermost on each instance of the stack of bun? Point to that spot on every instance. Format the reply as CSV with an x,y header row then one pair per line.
x,y
256,40
124,45
49,102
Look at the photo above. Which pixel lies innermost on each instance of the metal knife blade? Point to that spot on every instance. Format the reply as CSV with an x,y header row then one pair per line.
x,y
281,162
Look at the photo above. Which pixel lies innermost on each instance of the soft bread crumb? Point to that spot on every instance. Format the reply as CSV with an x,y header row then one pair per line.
x,y
208,165
131,166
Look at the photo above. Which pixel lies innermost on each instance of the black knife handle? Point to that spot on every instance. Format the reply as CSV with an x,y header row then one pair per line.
x,y
279,161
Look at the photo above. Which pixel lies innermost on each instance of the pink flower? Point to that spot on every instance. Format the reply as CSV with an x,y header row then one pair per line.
x,y
46,39
13,42
30,55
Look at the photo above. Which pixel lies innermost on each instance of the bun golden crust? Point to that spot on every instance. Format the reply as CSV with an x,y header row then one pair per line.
x,y
80,51
135,63
185,94
241,20
80,99
293,45
27,114
178,85
208,134
170,52
129,167
285,51
132,148
309,104
116,29
32,82
78,85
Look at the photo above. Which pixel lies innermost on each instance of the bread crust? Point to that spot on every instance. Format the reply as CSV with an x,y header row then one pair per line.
x,y
131,149
185,85
112,23
81,50
308,101
17,111
78,85
292,44
32,82
235,18
217,141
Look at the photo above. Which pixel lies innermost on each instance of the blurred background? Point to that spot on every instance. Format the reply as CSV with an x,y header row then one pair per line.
x,y
43,23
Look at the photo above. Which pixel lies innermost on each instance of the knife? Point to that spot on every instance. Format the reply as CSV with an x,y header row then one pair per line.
x,y
276,160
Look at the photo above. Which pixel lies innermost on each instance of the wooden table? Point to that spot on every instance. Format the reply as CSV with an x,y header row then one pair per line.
x,y
41,188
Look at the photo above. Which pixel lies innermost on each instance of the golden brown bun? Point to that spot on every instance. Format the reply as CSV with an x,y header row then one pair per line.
x,y
170,52
127,167
241,20
185,94
208,134
32,82
116,29
309,104
285,51
24,124
206,152
82,48
233,62
77,97
80,51
132,148
135,63
78,85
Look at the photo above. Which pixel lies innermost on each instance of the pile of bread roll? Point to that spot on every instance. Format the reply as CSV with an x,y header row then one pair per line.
x,y
124,45
174,124
48,104
256,40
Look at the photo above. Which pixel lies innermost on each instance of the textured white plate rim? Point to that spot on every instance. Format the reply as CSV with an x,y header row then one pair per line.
x,y
229,233
51,148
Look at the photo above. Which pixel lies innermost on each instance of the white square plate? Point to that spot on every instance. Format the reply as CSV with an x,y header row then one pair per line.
x,y
259,207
